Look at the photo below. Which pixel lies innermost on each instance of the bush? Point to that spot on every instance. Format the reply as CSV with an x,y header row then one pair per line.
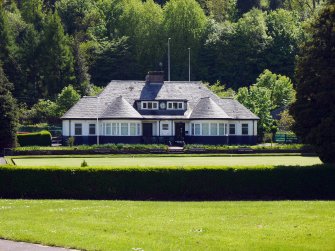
x,y
313,182
42,138
84,163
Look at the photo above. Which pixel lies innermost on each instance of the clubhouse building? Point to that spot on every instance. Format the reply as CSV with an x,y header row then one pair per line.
x,y
157,111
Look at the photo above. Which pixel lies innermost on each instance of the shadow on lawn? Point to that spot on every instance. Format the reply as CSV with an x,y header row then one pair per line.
x,y
279,183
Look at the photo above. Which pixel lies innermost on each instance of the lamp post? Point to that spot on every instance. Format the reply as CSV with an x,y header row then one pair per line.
x,y
97,127
169,59
189,64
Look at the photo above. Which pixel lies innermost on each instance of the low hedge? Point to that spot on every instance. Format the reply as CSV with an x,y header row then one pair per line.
x,y
317,182
157,148
86,149
42,138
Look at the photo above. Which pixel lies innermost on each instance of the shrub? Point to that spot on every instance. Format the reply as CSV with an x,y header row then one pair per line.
x,y
70,141
84,163
42,138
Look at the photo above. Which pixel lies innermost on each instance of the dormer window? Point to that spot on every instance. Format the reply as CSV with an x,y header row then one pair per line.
x,y
175,105
149,105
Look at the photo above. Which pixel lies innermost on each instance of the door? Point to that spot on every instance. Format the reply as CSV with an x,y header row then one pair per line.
x,y
180,131
147,129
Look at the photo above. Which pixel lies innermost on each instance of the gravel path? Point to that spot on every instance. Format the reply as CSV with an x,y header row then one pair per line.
x,y
22,246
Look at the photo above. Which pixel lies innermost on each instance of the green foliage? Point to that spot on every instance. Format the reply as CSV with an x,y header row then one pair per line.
x,y
110,59
184,22
78,15
286,32
66,99
244,6
44,111
286,121
141,22
70,141
56,59
170,183
32,12
281,88
8,113
84,164
258,100
313,110
221,10
42,138
220,90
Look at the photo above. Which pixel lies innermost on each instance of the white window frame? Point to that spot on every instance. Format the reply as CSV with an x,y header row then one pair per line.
x,y
165,127
194,128
145,105
212,132
170,105
205,126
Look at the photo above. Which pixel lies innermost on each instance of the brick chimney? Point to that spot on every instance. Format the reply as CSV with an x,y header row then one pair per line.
x,y
155,77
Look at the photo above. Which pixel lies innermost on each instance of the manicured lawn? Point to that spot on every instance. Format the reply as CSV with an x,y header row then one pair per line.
x,y
128,225
201,161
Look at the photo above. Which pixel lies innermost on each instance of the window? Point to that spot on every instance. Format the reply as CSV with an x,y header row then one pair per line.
x,y
124,129
205,129
245,129
78,129
138,129
149,105
115,129
108,129
222,129
165,127
91,129
214,129
175,105
232,129
132,129
196,129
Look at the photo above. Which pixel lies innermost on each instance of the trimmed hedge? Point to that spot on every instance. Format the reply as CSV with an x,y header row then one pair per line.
x,y
317,182
42,138
157,148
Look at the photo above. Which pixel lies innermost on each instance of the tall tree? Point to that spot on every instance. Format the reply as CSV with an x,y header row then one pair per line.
x,y
32,12
8,113
82,81
142,23
7,46
281,88
285,29
258,100
56,61
313,110
249,45
185,23
222,10
112,60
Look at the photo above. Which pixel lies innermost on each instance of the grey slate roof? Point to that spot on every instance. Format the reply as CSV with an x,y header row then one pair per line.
x,y
196,94
207,108
120,108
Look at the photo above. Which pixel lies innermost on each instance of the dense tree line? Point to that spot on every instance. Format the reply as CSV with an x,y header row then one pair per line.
x,y
314,109
47,45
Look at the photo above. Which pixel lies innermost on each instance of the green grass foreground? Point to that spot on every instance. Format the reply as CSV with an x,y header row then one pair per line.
x,y
129,225
166,161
